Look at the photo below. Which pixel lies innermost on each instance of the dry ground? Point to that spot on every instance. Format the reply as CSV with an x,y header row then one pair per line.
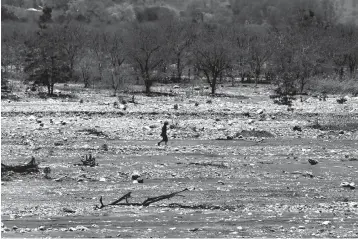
x,y
248,186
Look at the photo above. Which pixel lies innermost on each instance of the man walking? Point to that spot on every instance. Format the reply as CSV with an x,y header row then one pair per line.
x,y
164,134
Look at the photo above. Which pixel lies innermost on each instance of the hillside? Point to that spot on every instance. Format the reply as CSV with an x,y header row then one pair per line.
x,y
256,11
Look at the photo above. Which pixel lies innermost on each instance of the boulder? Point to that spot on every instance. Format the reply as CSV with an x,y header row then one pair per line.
x,y
32,117
260,111
297,128
312,161
135,175
348,185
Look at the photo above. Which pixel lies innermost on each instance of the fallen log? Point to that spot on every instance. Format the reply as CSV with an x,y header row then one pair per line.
x,y
149,201
203,206
30,167
145,203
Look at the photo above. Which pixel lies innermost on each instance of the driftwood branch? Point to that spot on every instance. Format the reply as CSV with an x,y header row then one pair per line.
x,y
30,167
149,201
146,202
126,196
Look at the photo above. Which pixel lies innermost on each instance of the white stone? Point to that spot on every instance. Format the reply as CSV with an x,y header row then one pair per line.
x,y
260,111
326,223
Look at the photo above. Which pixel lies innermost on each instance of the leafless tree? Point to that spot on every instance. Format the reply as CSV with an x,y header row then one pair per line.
x,y
114,49
146,50
181,36
74,37
212,54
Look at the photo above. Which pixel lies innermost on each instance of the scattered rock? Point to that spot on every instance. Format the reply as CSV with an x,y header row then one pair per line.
x,y
260,111
146,128
58,143
312,161
297,128
60,179
348,185
135,175
326,223
81,228
301,227
197,88
32,117
176,106
308,174
14,227
102,179
68,210
104,147
251,121
196,104
41,228
246,114
341,100
209,101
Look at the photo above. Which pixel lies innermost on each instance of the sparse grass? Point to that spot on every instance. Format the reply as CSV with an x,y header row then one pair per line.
x,y
345,123
94,131
332,85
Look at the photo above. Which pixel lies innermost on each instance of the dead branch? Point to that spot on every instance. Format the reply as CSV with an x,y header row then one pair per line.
x,y
219,165
146,202
126,196
202,206
149,201
30,167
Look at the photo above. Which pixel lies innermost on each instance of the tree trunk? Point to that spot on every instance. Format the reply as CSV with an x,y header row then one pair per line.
x,y
52,85
257,76
302,85
147,82
213,89
179,73
213,86
147,86
71,70
48,89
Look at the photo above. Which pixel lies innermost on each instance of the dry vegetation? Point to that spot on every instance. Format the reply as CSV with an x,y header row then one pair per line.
x,y
260,97
258,180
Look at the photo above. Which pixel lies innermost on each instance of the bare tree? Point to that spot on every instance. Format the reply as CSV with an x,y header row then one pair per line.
x,y
260,48
97,47
181,36
146,49
74,37
212,54
114,48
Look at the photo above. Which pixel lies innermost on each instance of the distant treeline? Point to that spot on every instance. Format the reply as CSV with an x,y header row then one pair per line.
x,y
113,43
